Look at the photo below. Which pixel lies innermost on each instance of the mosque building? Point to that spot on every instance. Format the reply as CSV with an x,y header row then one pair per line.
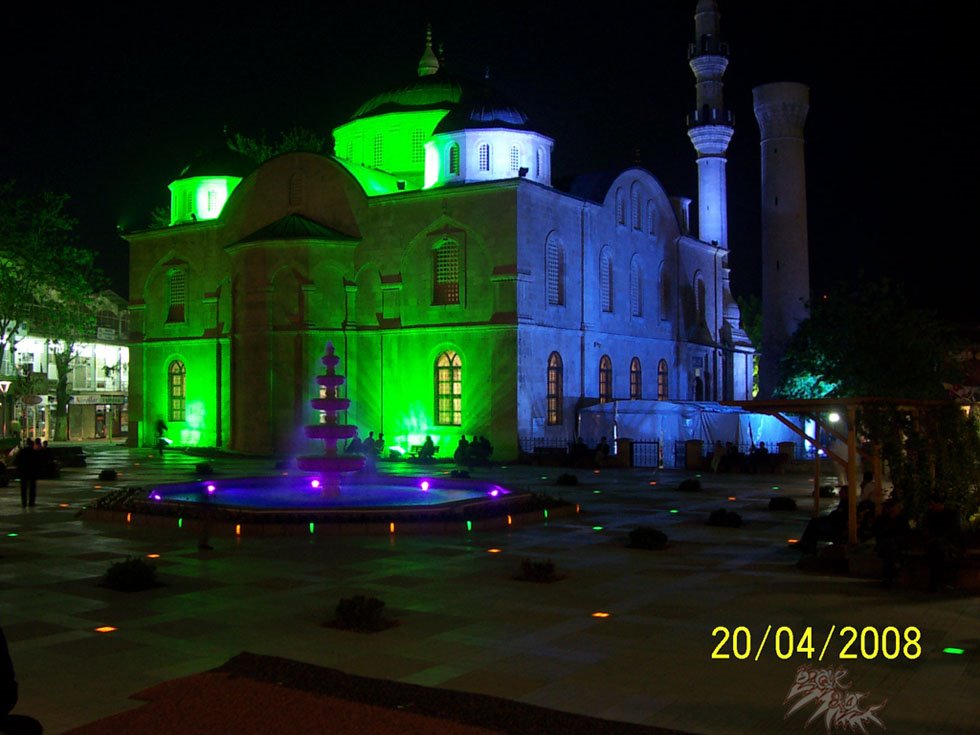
x,y
465,292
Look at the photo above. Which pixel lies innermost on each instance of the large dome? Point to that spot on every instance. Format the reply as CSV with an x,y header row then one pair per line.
x,y
471,103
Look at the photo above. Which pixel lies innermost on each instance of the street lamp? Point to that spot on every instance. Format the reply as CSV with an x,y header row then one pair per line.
x,y
4,387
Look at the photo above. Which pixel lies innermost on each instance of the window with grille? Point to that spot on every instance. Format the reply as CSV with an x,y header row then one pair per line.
x,y
379,151
176,391
555,389
555,273
484,156
636,380
620,207
515,158
651,218
445,280
418,146
212,200
177,287
605,282
454,160
636,292
538,159
662,380
636,210
605,379
449,391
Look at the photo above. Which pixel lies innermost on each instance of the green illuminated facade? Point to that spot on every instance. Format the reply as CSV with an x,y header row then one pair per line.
x,y
464,293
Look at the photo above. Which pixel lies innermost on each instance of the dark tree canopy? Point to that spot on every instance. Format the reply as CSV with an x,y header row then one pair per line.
x,y
865,339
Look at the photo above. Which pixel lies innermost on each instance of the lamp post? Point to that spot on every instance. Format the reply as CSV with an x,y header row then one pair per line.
x,y
4,387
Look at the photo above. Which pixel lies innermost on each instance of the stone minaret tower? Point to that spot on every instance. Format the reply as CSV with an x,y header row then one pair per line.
x,y
781,110
710,127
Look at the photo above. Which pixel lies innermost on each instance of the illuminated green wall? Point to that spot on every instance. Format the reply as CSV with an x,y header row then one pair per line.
x,y
402,136
200,197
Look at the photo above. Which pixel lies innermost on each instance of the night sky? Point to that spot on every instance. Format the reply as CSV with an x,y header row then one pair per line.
x,y
109,105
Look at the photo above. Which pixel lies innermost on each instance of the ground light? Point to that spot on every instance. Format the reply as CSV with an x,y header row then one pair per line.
x,y
11,535
597,528
493,551
152,556
674,510
105,629
600,614
954,651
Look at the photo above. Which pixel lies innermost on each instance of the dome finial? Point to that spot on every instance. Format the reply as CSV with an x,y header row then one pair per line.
x,y
428,64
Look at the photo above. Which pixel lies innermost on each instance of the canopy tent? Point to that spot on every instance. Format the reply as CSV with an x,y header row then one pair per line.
x,y
669,422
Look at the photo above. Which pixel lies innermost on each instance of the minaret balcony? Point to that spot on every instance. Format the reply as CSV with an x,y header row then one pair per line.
x,y
711,116
707,46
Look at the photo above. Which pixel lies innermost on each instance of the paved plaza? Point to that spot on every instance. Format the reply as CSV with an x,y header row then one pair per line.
x,y
466,624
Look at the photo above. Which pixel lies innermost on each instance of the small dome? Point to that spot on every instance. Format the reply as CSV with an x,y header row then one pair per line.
x,y
218,162
471,103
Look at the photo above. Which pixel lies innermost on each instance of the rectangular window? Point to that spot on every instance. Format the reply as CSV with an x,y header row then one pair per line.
x,y
515,158
418,146
178,296
446,275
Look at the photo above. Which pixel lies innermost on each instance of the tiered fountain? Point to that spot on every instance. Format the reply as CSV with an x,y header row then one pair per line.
x,y
329,465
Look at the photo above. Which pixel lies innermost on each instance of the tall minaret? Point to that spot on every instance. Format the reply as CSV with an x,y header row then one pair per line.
x,y
781,110
710,127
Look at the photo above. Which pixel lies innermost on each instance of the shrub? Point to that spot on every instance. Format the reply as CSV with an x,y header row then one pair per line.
x,y
108,474
132,575
361,613
204,468
782,503
537,571
567,479
646,537
689,485
722,517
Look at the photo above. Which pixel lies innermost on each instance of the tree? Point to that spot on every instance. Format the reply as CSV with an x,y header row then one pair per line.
x,y
46,282
261,149
866,340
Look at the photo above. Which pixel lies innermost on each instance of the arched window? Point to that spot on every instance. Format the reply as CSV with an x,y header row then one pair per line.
x,y
418,146
662,380
177,294
555,389
176,391
665,296
379,150
636,211
605,379
700,299
620,207
449,391
454,160
651,218
483,154
445,273
515,158
538,162
605,281
636,379
636,288
555,271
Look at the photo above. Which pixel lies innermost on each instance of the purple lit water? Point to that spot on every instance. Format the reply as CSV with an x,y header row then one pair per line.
x,y
304,492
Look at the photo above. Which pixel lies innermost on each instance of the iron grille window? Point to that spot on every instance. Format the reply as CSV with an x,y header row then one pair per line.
x,y
418,146
555,273
605,379
484,155
177,391
555,389
636,293
379,151
446,274
515,158
449,391
454,160
605,282
178,296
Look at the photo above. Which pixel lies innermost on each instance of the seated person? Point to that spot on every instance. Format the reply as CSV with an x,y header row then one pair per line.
x,y
428,448
831,527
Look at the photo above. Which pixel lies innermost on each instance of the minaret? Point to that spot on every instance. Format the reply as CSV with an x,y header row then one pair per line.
x,y
781,110
428,64
710,126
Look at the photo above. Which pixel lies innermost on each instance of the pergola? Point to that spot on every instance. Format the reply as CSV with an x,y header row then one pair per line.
x,y
817,410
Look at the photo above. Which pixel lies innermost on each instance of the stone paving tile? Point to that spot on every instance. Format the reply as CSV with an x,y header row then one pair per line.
x,y
465,623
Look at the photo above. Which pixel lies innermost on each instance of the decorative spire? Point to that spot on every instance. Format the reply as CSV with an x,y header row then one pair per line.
x,y
428,64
